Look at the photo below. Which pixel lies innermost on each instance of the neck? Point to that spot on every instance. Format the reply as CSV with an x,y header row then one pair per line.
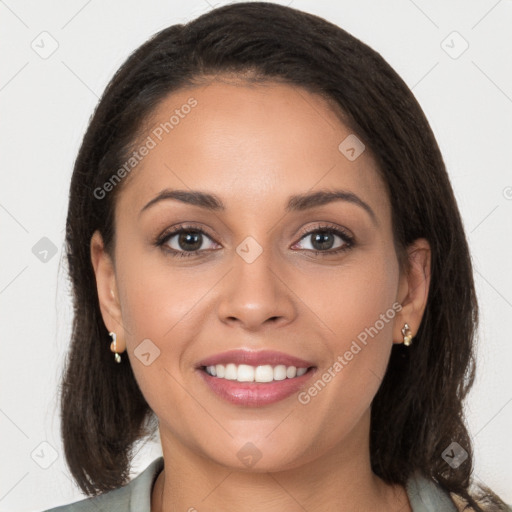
x,y
340,479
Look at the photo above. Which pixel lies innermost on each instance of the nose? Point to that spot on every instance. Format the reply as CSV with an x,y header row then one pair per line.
x,y
254,294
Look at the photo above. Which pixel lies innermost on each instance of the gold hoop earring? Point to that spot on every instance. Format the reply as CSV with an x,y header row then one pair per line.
x,y
407,334
113,347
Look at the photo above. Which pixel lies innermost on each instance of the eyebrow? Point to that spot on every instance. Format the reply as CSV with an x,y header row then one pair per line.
x,y
295,203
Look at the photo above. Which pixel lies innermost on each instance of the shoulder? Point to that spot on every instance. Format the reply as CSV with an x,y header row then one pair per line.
x,y
427,496
135,496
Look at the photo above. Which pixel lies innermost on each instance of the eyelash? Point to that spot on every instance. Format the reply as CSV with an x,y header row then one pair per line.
x,y
184,228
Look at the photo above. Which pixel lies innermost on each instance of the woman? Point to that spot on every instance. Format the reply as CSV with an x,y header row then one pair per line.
x,y
262,227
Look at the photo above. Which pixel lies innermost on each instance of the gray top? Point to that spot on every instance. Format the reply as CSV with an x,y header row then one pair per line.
x,y
424,495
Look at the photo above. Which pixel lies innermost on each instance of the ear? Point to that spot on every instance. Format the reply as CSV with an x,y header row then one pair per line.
x,y
413,288
107,290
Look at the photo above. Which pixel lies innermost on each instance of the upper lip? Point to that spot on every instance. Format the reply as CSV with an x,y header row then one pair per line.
x,y
255,358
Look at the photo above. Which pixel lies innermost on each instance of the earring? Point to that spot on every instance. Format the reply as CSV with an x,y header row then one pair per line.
x,y
407,334
113,347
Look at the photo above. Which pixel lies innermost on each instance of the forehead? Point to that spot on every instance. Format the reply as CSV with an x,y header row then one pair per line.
x,y
248,144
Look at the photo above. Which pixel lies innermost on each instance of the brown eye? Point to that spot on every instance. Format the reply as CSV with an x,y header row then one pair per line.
x,y
323,240
184,241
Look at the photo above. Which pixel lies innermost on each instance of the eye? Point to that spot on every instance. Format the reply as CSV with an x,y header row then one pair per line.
x,y
322,240
184,241
187,240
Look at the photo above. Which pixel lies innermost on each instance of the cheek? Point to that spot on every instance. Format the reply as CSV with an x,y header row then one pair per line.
x,y
165,306
351,298
156,298
161,316
357,306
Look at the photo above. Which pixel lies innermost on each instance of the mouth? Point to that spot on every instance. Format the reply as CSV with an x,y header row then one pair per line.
x,y
255,379
260,374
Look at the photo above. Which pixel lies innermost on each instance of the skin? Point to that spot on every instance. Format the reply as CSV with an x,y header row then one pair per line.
x,y
253,146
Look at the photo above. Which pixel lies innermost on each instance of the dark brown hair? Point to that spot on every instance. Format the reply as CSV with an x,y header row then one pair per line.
x,y
418,410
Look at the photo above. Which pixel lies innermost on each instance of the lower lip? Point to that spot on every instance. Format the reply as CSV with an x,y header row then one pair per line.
x,y
255,394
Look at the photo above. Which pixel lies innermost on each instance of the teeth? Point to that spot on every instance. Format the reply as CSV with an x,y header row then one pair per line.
x,y
231,373
291,371
247,373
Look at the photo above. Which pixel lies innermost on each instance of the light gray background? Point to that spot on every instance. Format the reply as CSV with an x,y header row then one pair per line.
x,y
45,106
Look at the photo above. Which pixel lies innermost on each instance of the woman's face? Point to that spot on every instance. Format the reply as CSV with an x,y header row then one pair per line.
x,y
255,282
